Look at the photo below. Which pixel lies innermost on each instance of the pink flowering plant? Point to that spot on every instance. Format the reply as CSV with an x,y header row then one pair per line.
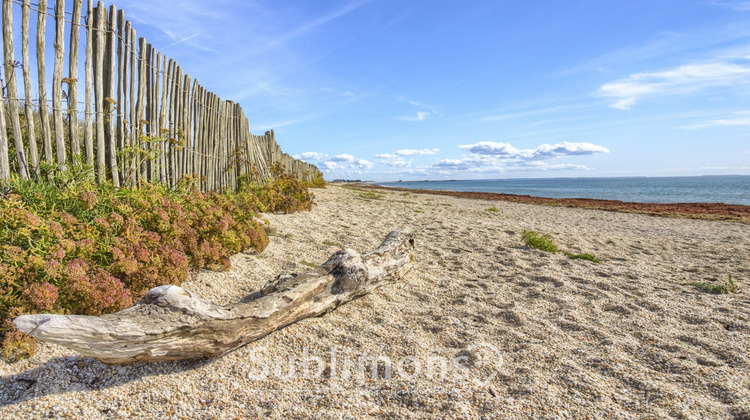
x,y
72,246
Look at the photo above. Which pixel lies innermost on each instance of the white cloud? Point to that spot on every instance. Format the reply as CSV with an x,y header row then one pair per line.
x,y
343,158
488,156
421,116
407,152
567,149
545,151
397,163
345,162
453,164
311,156
396,159
544,166
684,79
364,164
491,148
416,152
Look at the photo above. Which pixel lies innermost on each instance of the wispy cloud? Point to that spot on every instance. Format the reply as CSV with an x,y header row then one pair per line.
x,y
179,42
684,79
418,104
421,116
311,25
512,115
740,6
738,118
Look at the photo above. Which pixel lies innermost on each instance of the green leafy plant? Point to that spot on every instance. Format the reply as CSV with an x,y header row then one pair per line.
x,y
716,289
538,241
318,182
282,192
588,257
493,209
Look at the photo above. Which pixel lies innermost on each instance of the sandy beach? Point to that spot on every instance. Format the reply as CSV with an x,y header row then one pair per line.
x,y
481,327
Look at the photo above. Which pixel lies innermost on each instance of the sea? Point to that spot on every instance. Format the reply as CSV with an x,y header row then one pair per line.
x,y
728,189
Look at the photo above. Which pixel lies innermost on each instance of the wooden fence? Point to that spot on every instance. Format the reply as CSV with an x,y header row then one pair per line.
x,y
144,118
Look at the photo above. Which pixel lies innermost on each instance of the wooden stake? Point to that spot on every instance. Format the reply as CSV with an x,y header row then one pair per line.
x,y
10,85
88,130
75,35
29,107
57,82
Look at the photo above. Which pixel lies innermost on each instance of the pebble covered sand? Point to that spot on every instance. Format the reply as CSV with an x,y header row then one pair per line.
x,y
480,327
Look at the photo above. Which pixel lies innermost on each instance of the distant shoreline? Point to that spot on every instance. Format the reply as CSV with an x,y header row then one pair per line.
x,y
708,211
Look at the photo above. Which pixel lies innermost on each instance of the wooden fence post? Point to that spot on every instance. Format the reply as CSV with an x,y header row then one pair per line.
x,y
28,106
99,90
111,105
163,123
4,161
133,117
121,107
141,105
75,27
10,83
57,82
88,134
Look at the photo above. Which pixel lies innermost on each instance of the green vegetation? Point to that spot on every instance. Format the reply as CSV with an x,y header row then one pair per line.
x,y
309,264
372,195
418,211
538,241
588,257
318,182
716,289
69,245
331,243
493,209
282,193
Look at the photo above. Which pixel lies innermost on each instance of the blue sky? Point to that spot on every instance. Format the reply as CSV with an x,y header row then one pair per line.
x,y
388,90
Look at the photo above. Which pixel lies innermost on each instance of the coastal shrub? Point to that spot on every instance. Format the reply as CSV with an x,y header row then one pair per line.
x,y
318,182
538,241
716,289
70,245
283,192
587,257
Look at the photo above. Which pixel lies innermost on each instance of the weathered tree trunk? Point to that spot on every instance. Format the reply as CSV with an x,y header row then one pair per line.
x,y
170,324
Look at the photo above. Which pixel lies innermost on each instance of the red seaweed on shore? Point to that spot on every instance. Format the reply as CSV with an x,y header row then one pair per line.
x,y
711,211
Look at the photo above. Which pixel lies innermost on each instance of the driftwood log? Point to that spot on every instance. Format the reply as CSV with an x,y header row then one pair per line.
x,y
170,324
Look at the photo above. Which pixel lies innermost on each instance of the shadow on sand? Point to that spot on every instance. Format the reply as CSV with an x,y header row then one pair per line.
x,y
76,373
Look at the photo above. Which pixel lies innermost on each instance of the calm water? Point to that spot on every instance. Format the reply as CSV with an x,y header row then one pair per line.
x,y
698,189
